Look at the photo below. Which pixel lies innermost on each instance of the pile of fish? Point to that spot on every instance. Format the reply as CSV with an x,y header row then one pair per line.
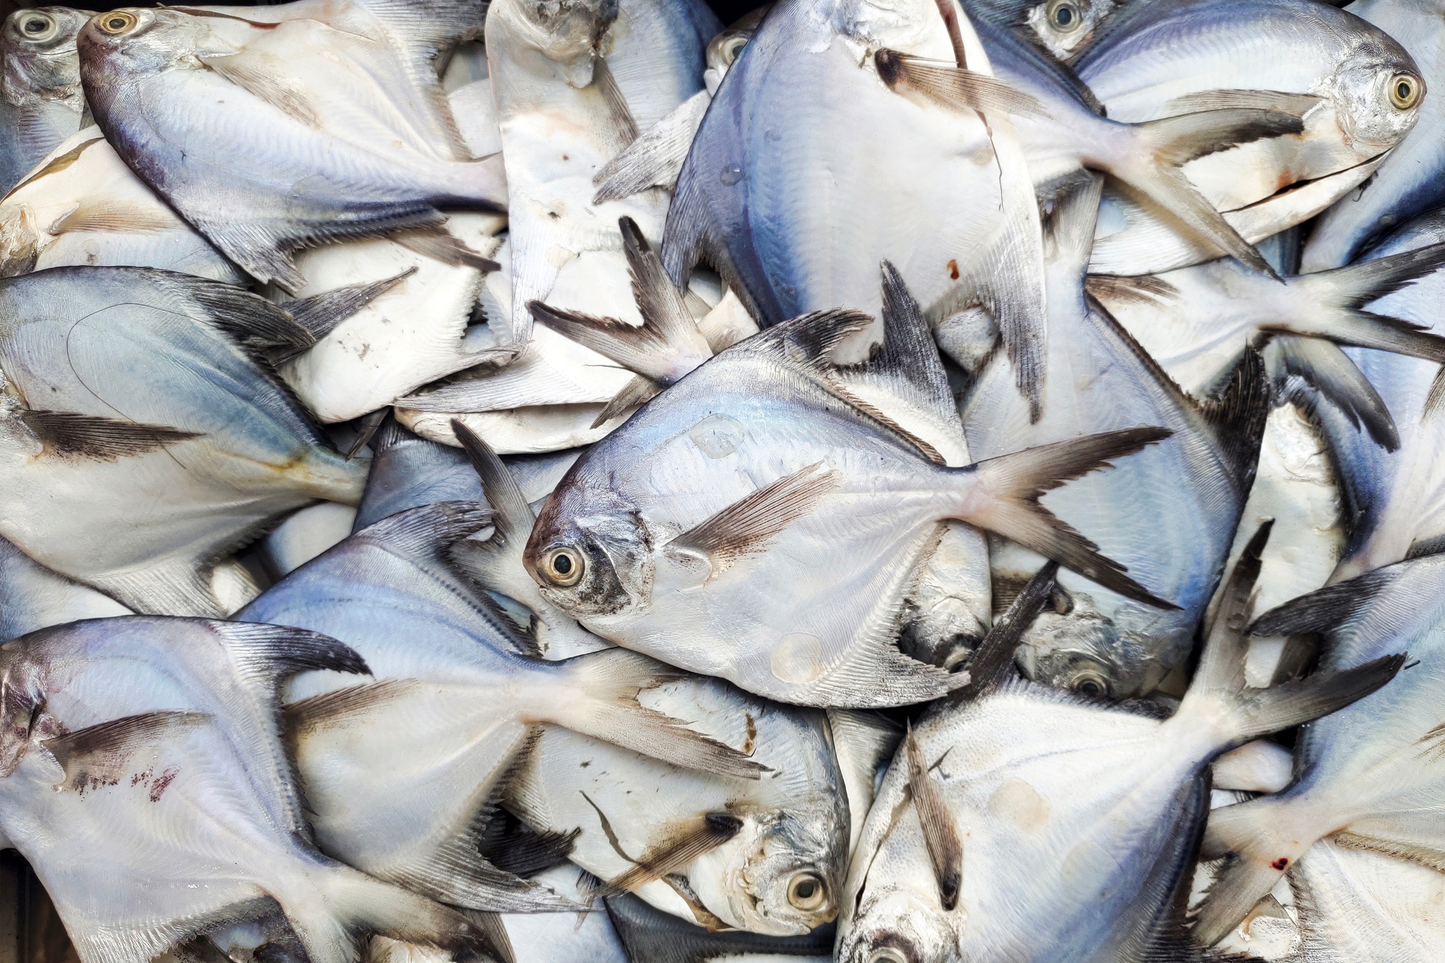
x,y
892,481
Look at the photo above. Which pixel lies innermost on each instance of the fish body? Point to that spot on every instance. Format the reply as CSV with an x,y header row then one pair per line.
x,y
762,200
143,443
1097,379
1158,59
1407,183
1031,825
1366,775
151,747
1367,907
82,205
40,98
675,535
398,772
178,94
33,597
408,472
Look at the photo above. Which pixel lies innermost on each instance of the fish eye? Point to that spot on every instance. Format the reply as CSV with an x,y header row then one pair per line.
x,y
116,22
1064,15
1090,685
38,26
731,48
1404,91
887,954
806,892
563,566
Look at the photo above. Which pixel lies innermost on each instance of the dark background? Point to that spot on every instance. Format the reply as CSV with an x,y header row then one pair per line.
x,y
727,10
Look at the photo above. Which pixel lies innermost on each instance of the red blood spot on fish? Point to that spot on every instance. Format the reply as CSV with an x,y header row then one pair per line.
x,y
1280,863
953,269
165,779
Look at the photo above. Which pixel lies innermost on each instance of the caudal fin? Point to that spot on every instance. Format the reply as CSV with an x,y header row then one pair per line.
x,y
1005,499
602,703
1263,838
1161,147
1331,372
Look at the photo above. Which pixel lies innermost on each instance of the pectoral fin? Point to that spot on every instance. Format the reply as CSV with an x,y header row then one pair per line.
x,y
101,755
71,435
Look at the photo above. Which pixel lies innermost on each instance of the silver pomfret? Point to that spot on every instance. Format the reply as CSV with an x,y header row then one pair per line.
x,y
151,442
40,98
1030,825
752,522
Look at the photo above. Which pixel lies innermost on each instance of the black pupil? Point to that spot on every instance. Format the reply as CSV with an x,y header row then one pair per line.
x,y
1089,688
1063,16
562,564
1402,90
116,23
806,889
35,26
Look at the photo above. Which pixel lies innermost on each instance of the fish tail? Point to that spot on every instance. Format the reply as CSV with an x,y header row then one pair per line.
x,y
353,902
1336,378
1002,494
1159,148
1332,304
1262,839
601,702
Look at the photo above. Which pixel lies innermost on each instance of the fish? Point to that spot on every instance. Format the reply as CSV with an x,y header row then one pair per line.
x,y
1405,185
145,437
40,99
587,937
82,205
794,476
1368,777
1158,59
375,160
399,772
152,747
428,323
1062,130
1010,823
32,597
1105,643
1364,907
759,201
763,856
408,471
1063,28
303,536
1391,493
654,937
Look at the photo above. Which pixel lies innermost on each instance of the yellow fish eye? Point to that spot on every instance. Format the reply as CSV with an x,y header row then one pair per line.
x,y
806,892
563,566
116,22
1404,91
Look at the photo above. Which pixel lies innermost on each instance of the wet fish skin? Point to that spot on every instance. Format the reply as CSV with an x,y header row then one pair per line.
x,y
151,471
1047,793
151,80
151,747
1407,184
1365,907
40,98
1364,775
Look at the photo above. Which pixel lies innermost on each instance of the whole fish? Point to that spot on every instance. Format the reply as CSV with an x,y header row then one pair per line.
x,y
766,856
1028,824
40,98
1365,907
761,519
1393,500
1365,776
1407,183
82,206
1064,28
764,202
33,597
652,937
145,780
142,439
1098,641
342,159
1358,90
450,715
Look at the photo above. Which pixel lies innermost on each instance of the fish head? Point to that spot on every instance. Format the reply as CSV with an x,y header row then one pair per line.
x,y
590,552
1377,95
568,32
131,41
40,55
22,700
899,919
782,874
1064,27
